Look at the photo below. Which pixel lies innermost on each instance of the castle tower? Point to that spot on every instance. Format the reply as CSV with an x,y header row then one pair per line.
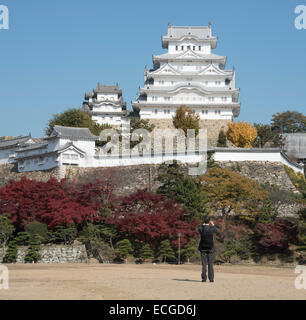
x,y
106,106
189,74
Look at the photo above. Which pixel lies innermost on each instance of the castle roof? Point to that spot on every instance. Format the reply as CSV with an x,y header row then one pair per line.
x,y
14,142
199,33
106,89
72,133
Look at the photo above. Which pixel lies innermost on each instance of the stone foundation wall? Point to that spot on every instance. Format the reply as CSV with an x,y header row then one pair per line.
x,y
263,172
57,254
9,172
213,128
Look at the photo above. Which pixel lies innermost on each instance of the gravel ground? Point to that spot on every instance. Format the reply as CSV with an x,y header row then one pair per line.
x,y
149,282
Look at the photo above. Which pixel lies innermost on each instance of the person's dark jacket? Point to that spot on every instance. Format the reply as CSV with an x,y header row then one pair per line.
x,y
207,229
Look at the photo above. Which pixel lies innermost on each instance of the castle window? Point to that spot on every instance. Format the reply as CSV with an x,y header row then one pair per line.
x,y
182,47
193,47
188,47
199,48
155,110
176,48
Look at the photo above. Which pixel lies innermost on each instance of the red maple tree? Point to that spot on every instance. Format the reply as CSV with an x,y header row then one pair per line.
x,y
47,202
276,234
151,218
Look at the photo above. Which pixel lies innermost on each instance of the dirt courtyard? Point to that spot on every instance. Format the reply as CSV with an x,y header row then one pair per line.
x,y
152,282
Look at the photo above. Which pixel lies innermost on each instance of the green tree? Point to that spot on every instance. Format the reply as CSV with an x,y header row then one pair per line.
x,y
288,122
6,230
33,254
221,139
184,190
230,192
124,248
146,252
190,250
64,234
185,118
11,253
38,229
267,213
265,134
137,123
166,251
75,118
95,237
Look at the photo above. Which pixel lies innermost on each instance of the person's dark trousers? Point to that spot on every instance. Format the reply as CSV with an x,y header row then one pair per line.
x,y
207,259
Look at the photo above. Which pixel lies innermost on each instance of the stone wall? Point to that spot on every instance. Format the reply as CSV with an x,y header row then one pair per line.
x,y
9,172
57,254
263,172
213,128
127,179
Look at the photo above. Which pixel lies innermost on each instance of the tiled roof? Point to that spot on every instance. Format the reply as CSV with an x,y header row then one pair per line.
x,y
33,146
4,144
200,32
210,56
67,145
74,133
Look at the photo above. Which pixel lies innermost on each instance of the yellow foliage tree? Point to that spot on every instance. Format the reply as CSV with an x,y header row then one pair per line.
x,y
241,134
230,192
185,118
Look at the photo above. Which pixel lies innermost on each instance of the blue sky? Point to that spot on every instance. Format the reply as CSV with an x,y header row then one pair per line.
x,y
57,50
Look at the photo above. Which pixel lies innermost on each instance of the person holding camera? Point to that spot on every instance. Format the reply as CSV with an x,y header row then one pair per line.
x,y
207,248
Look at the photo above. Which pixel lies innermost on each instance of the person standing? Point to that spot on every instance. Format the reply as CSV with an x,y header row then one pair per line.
x,y
207,248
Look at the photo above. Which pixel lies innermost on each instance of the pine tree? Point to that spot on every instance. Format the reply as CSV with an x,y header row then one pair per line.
x,y
221,139
33,254
166,251
190,250
124,248
146,252
11,253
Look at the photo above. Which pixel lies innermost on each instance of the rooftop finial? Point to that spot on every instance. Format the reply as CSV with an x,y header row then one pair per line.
x,y
209,24
169,24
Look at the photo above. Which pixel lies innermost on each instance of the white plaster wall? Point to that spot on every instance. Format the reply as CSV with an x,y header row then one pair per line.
x,y
254,156
205,48
46,163
106,96
162,113
7,156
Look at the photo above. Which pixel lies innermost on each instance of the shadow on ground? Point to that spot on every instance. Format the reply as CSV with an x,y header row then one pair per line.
x,y
187,280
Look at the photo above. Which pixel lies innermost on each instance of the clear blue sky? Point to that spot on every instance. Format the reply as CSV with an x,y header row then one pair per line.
x,y
57,50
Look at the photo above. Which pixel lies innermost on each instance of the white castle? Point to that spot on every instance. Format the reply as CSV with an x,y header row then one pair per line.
x,y
188,74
